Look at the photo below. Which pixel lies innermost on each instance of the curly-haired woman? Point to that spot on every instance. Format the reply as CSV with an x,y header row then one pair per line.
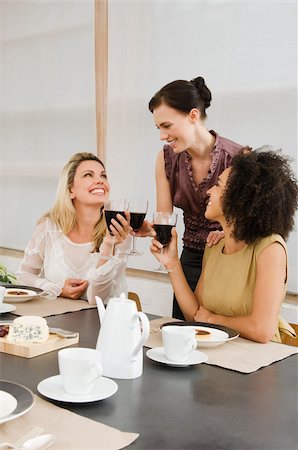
x,y
244,277
66,253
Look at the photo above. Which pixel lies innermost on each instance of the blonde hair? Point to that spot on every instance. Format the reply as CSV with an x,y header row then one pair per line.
x,y
63,212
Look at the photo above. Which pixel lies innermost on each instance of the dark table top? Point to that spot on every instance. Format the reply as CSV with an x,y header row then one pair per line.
x,y
197,407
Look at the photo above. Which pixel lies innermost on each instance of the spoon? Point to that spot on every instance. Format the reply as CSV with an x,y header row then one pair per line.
x,y
39,442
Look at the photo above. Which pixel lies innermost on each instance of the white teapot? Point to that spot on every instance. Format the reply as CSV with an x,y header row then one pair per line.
x,y
121,337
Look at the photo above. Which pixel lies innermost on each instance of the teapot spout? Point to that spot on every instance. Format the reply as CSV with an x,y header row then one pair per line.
x,y
100,308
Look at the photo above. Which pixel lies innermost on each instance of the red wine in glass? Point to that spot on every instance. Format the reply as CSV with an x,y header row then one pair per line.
x,y
109,215
136,220
163,222
164,233
111,209
138,210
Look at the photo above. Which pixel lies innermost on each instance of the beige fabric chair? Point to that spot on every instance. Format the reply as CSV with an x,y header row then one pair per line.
x,y
133,296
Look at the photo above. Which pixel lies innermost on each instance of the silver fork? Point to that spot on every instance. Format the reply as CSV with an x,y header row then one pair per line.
x,y
36,431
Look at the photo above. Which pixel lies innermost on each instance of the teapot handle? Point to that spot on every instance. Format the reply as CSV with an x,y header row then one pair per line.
x,y
144,337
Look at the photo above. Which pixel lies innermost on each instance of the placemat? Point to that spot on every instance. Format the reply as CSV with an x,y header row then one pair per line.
x,y
72,431
39,306
239,354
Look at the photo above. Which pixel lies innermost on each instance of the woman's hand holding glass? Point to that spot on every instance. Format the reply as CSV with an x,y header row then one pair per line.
x,y
166,252
146,230
118,227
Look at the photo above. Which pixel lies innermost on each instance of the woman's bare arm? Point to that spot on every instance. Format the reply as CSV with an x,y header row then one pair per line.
x,y
187,300
260,324
163,193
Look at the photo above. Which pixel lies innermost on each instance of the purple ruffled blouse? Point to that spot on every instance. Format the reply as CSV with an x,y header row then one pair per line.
x,y
192,197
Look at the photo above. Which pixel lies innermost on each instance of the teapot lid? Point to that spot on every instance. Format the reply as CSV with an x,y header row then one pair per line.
x,y
121,299
122,296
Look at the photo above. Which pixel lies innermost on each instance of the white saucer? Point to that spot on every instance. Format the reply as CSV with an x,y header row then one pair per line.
x,y
158,354
6,307
8,404
52,388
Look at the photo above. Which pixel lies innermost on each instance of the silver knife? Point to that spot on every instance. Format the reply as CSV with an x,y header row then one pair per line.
x,y
63,333
58,331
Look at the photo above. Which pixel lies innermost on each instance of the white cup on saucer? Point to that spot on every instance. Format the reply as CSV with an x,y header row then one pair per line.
x,y
2,294
179,342
79,368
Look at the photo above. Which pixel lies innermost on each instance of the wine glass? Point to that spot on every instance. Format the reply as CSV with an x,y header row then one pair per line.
x,y
138,210
163,222
111,209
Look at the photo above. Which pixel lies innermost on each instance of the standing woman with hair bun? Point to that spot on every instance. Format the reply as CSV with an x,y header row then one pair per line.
x,y
187,166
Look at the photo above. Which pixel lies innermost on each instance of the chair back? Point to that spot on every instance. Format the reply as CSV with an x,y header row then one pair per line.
x,y
289,340
133,296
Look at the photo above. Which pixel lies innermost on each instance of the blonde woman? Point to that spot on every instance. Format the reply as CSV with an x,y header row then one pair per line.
x,y
65,256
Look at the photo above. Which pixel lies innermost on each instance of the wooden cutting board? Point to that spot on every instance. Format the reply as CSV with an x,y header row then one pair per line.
x,y
54,342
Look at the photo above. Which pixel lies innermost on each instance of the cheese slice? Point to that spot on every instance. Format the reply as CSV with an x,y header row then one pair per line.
x,y
28,329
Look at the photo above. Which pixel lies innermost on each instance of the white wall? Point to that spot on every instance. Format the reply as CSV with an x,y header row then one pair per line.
x,y
247,53
47,105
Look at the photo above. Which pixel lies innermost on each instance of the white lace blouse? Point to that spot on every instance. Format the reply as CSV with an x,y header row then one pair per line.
x,y
51,258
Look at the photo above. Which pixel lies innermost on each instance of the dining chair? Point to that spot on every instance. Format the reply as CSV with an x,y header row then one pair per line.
x,y
289,340
133,296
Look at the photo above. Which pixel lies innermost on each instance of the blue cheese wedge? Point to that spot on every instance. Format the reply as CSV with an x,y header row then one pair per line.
x,y
29,330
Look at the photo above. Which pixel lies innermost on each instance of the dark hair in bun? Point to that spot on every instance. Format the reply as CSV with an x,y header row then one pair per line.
x,y
184,96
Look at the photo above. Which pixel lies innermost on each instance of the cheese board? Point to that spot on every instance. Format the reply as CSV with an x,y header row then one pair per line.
x,y
54,342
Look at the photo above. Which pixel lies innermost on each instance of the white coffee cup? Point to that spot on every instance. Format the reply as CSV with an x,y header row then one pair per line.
x,y
179,342
2,294
79,369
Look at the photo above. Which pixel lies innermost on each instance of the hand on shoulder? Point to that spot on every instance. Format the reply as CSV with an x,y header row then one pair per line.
x,y
214,237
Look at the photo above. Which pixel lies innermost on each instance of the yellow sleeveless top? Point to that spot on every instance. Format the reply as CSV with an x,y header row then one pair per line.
x,y
229,281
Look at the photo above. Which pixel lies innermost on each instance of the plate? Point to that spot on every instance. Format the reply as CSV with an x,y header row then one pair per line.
x,y
217,334
52,388
8,404
19,295
24,397
20,286
209,337
158,354
6,307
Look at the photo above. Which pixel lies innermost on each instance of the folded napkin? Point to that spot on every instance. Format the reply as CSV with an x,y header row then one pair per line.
x,y
72,431
239,354
39,306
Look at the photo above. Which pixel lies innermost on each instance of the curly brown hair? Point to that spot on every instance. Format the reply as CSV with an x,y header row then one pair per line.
x,y
261,195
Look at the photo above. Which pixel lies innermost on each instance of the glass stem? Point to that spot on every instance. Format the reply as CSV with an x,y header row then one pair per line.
x,y
133,244
112,247
161,258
